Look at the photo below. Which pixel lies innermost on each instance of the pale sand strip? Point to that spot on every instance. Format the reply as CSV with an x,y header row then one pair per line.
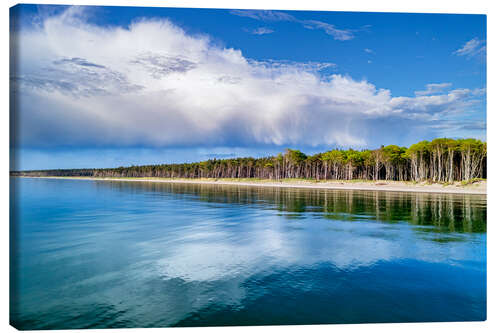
x,y
394,186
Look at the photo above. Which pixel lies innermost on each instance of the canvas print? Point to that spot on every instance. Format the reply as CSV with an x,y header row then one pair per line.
x,y
227,167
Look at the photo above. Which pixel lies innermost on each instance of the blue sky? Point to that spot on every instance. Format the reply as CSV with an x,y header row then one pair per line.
x,y
110,86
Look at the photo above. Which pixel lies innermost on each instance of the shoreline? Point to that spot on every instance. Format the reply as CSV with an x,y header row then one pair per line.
x,y
391,186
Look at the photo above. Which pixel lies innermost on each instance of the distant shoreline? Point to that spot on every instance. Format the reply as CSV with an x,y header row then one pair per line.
x,y
392,186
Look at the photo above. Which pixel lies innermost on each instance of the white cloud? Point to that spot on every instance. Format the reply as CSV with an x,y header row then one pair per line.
x,y
369,51
474,47
151,84
433,88
425,106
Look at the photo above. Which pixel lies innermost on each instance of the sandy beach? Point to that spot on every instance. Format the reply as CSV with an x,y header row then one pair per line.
x,y
395,186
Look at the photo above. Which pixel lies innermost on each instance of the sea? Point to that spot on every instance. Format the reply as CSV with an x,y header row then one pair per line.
x,y
109,254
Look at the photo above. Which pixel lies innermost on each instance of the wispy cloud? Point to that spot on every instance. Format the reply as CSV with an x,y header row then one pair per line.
x,y
433,88
275,16
472,48
76,61
159,65
264,15
166,88
330,29
288,66
459,125
262,31
369,51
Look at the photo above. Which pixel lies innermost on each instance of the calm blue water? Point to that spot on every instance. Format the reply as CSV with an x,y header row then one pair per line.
x,y
94,254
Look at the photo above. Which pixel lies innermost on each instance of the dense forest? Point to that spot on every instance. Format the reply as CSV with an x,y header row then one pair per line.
x,y
440,160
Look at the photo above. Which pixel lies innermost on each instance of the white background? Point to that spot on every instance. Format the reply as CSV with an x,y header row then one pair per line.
x,y
420,6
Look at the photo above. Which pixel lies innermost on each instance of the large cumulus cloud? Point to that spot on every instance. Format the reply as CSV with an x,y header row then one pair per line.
x,y
152,84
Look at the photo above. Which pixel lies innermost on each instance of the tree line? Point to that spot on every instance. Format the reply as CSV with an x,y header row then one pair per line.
x,y
439,160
